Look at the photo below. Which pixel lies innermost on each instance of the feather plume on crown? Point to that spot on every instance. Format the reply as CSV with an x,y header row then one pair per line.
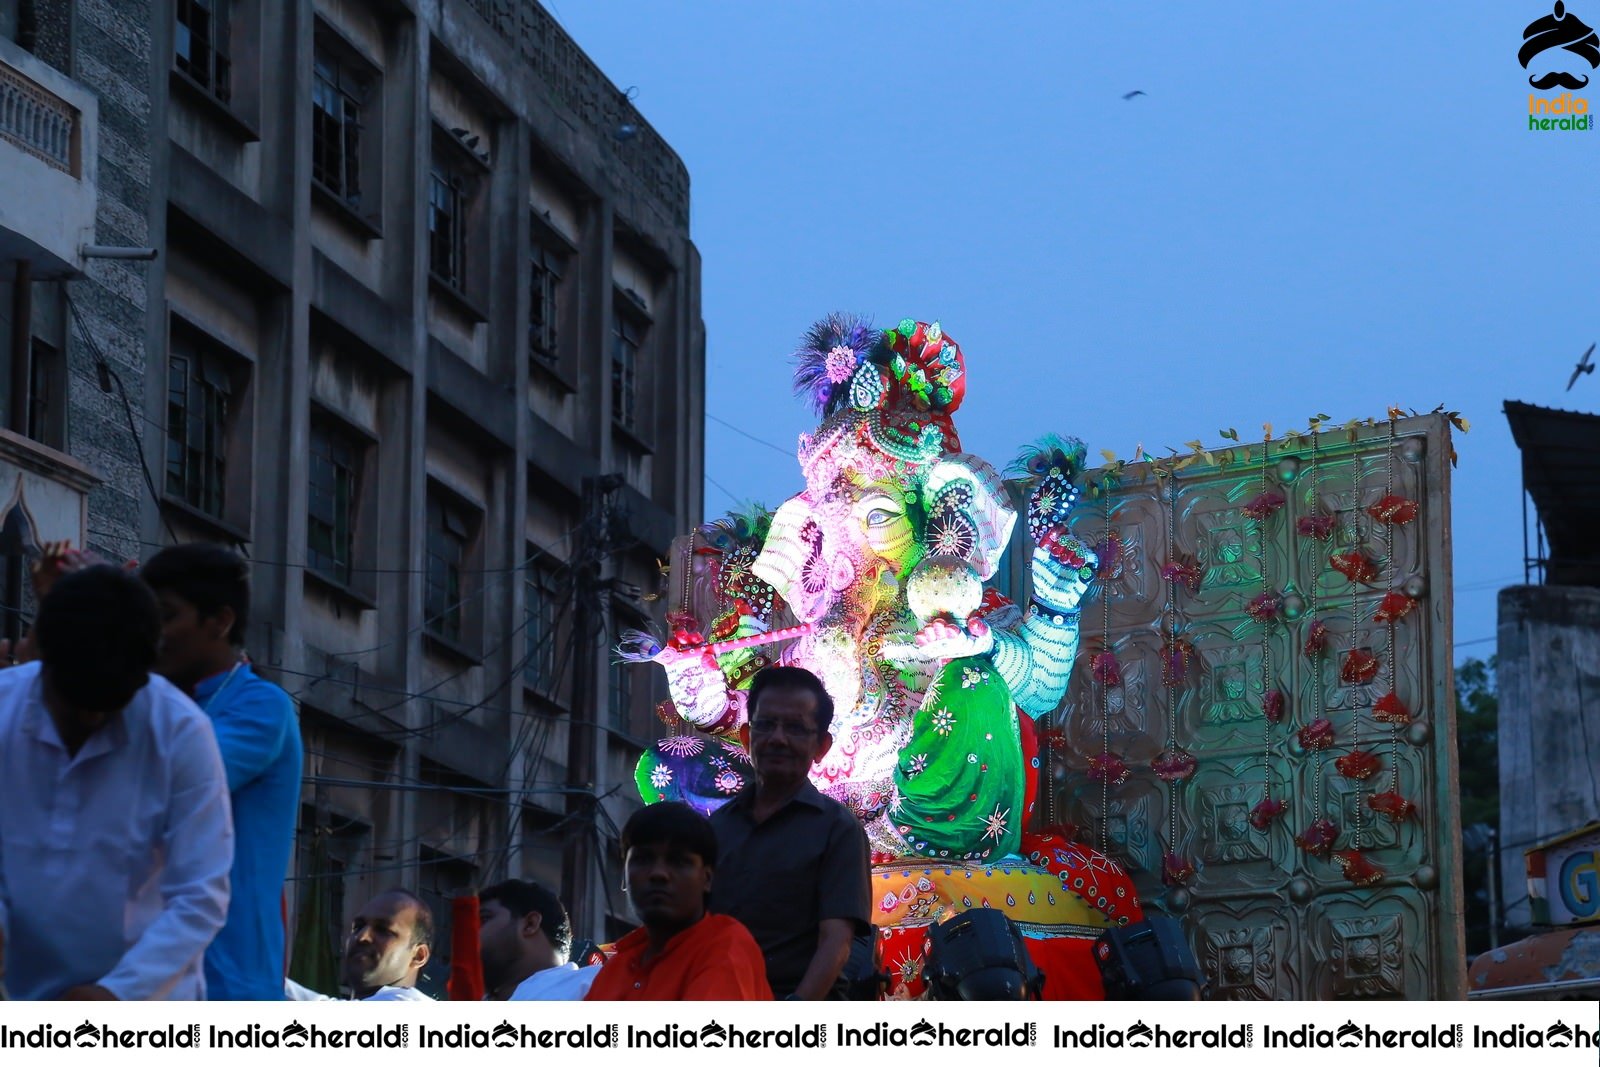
x,y
745,525
828,357
1050,452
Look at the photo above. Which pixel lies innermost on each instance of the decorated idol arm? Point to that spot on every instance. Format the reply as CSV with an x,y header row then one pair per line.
x,y
700,691
1035,657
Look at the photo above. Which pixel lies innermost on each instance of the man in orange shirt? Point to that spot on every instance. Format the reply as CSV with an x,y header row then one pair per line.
x,y
681,952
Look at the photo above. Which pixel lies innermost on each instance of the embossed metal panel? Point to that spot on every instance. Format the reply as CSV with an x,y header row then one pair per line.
x,y
1267,919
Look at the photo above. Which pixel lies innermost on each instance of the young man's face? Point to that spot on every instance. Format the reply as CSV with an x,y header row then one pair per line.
x,y
380,950
499,940
668,884
190,644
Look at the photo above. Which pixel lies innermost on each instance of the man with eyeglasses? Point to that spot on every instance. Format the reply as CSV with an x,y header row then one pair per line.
x,y
794,863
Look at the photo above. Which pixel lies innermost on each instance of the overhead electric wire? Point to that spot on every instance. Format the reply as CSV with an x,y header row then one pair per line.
x,y
787,453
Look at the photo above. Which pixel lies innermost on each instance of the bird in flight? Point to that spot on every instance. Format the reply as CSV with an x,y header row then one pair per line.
x,y
1136,92
1585,366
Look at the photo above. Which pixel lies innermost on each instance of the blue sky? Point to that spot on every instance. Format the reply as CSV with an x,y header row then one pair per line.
x,y
1315,208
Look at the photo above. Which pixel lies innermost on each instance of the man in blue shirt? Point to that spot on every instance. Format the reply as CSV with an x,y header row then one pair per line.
x,y
204,592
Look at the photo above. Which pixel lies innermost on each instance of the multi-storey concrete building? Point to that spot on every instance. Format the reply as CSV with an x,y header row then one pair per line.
x,y
423,339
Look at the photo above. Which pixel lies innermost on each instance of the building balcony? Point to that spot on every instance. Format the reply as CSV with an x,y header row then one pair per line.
x,y
48,162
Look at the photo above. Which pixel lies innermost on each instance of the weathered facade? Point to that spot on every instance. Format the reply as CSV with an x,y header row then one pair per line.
x,y
1548,655
424,340
74,172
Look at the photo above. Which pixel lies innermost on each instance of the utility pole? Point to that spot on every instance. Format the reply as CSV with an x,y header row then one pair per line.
x,y
579,859
1493,843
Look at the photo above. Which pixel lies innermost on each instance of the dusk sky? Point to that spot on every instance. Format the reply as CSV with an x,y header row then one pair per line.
x,y
1313,208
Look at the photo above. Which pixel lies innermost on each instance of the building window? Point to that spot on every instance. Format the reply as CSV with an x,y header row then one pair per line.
x,y
449,536
626,335
622,697
200,45
339,94
199,392
544,296
446,226
334,487
539,615
46,395
441,880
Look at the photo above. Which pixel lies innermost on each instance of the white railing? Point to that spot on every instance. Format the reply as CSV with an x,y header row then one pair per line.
x,y
37,122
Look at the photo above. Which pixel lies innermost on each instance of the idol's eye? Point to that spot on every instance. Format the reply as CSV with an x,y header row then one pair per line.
x,y
880,517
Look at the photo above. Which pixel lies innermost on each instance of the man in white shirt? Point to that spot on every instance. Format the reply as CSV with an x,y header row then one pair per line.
x,y
115,832
390,942
524,938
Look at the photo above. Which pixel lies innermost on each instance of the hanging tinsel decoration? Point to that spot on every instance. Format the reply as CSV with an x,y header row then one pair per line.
x,y
1108,768
1355,565
1265,503
1318,838
1358,764
1263,814
1357,868
1316,639
1391,804
1104,668
1318,526
1176,653
1393,607
1358,667
1265,608
1183,570
1390,710
1316,735
1174,765
1393,510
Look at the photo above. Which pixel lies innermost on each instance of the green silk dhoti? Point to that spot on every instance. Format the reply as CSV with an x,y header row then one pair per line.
x,y
960,781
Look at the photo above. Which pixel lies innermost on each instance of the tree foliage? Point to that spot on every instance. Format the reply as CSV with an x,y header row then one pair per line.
x,y
1478,757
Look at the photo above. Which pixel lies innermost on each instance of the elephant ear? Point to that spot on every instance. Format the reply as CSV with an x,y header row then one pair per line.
x,y
791,559
969,514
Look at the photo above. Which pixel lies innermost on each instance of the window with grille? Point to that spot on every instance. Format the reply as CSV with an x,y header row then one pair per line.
x,y
333,487
539,613
449,536
622,696
200,44
338,96
626,335
446,230
544,294
199,392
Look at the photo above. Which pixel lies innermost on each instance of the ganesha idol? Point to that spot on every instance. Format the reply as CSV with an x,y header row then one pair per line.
x,y
873,579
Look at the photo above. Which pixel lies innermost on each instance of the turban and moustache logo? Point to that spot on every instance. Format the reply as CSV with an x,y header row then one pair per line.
x,y
1560,29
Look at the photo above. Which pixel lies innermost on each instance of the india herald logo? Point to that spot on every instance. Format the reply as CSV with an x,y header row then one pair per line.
x,y
1559,30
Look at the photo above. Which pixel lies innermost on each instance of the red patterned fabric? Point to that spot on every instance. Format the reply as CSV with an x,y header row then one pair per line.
x,y
1098,880
1030,763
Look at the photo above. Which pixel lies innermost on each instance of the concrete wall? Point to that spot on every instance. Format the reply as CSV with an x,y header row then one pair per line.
x,y
1549,685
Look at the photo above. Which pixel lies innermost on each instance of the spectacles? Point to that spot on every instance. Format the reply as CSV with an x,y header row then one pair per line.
x,y
774,727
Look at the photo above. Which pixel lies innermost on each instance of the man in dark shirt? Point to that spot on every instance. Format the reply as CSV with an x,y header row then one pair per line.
x,y
794,866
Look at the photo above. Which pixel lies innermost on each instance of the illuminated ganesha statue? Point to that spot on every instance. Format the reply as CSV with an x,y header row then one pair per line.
x,y
873,579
